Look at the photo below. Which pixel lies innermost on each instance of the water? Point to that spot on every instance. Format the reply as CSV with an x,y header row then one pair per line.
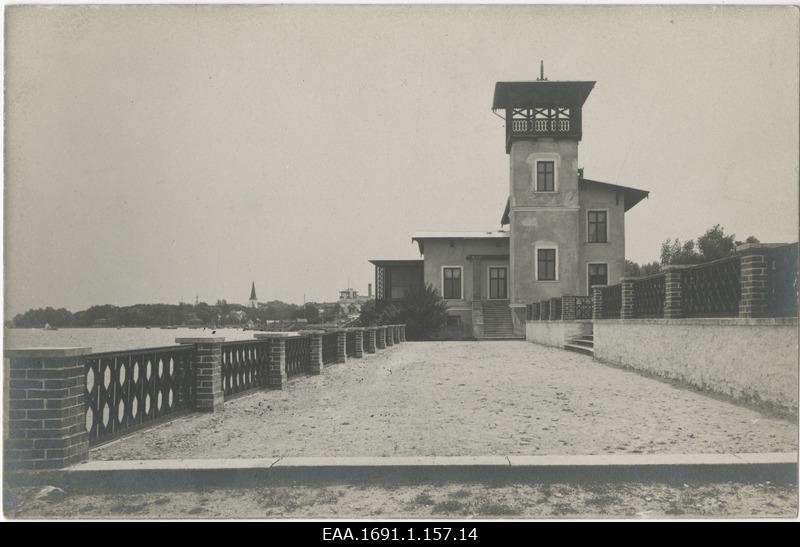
x,y
111,339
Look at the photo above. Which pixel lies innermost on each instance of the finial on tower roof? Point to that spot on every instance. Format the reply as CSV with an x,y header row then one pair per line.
x,y
541,77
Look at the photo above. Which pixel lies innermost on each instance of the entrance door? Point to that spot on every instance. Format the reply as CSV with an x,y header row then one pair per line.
x,y
498,284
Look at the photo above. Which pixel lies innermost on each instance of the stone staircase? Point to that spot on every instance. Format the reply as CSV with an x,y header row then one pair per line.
x,y
497,322
583,344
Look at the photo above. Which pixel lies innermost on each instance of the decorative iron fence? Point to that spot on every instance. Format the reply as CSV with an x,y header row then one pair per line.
x,y
330,344
297,355
544,309
712,289
583,307
555,309
128,389
648,296
612,301
782,281
244,366
350,344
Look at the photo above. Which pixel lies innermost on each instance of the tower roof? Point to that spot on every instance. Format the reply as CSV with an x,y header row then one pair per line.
x,y
520,94
253,292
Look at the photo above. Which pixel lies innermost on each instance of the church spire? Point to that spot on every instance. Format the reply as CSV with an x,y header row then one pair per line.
x,y
253,298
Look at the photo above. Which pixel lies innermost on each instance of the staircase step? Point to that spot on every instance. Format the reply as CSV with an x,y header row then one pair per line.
x,y
583,343
579,349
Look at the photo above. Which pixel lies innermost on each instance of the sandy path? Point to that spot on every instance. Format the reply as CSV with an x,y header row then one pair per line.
x,y
465,398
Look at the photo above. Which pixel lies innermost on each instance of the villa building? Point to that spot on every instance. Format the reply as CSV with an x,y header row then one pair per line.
x,y
561,233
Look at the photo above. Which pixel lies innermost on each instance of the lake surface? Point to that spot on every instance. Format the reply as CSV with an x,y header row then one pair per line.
x,y
111,339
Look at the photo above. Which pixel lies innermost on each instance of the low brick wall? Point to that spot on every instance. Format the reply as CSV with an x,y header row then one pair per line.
x,y
752,360
556,333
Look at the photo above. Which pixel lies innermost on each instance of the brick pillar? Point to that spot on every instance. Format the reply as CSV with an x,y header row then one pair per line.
x,y
207,366
369,339
276,370
754,280
673,293
380,342
315,365
359,353
389,335
626,309
597,302
341,346
568,308
46,408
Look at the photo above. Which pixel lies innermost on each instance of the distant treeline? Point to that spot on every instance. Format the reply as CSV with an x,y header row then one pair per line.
x,y
155,315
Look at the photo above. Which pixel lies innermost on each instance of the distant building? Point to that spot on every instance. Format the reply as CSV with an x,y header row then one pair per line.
x,y
253,298
350,302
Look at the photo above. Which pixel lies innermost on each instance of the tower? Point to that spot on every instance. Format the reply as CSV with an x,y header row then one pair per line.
x,y
253,298
543,129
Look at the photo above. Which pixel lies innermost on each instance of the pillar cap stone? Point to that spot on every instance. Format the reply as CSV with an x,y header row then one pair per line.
x,y
267,335
750,248
201,340
48,352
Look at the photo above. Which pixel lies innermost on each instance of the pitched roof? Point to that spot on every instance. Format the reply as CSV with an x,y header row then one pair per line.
x,y
459,235
519,94
632,197
253,292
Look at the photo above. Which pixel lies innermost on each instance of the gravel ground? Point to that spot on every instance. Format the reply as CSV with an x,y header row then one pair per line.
x,y
465,398
468,500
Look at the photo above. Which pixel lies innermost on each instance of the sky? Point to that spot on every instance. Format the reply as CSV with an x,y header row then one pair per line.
x,y
156,154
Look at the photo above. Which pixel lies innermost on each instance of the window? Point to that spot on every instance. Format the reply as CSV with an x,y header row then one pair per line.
x,y
597,226
546,264
451,283
545,176
598,275
453,320
498,288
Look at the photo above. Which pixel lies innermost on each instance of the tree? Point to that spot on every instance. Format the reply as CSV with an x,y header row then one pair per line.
x,y
673,252
311,313
712,245
715,244
633,269
369,315
424,313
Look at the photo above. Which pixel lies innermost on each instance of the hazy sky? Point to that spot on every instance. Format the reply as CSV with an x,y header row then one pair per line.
x,y
154,153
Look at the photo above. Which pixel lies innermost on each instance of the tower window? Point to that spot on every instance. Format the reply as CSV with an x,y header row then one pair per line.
x,y
451,283
597,226
546,264
545,176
